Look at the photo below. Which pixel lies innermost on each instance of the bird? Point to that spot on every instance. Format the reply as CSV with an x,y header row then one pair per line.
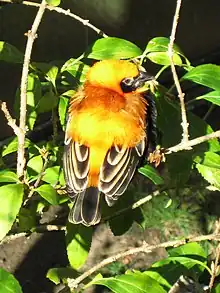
x,y
110,127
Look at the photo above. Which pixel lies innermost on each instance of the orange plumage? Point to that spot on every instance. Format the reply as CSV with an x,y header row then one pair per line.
x,y
105,136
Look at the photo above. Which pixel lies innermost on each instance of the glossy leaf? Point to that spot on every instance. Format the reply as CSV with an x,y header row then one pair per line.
x,y
160,44
47,103
51,175
11,196
62,108
9,53
78,240
207,75
162,58
133,282
8,283
53,2
76,68
48,193
13,146
35,165
53,72
113,48
152,174
209,167
213,97
8,176
188,249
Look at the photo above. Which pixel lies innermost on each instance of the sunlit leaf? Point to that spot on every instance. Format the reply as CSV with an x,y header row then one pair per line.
x,y
8,176
188,249
152,174
113,48
53,71
35,165
76,68
62,108
51,175
78,240
162,58
133,282
213,97
9,53
13,146
48,193
8,283
206,74
53,2
11,196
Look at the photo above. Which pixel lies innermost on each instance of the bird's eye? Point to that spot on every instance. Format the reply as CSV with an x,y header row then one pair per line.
x,y
126,84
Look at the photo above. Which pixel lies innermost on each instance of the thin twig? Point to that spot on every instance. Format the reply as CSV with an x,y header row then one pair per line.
x,y
38,229
40,176
215,266
184,123
187,145
65,12
10,120
32,35
134,206
73,283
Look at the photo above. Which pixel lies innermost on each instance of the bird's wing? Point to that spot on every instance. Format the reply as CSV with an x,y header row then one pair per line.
x,y
118,169
76,166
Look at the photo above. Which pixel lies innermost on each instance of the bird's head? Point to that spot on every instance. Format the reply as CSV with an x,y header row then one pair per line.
x,y
121,76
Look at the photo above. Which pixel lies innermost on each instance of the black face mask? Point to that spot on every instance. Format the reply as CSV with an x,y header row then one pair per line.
x,y
130,84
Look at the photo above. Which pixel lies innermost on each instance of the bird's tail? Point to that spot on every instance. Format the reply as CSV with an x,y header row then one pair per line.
x,y
86,208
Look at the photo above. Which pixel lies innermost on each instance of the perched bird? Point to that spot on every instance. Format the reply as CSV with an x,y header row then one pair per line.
x,y
111,123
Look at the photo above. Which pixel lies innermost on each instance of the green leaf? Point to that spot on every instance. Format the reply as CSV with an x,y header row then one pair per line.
x,y
53,2
162,58
57,275
152,174
188,249
156,51
76,68
213,97
208,166
8,176
48,193
11,196
53,71
160,44
51,175
132,282
113,48
216,289
62,108
8,283
206,74
78,242
47,103
9,53
13,146
35,164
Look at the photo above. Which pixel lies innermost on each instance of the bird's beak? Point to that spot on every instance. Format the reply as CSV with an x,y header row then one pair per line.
x,y
142,81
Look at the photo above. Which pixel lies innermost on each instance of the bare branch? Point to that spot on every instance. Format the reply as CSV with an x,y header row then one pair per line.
x,y
10,120
190,143
85,22
184,123
73,283
32,35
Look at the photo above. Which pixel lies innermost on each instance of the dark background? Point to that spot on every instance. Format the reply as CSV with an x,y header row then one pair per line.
x,y
60,38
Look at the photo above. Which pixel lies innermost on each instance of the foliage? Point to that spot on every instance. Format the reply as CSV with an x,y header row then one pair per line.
x,y
50,86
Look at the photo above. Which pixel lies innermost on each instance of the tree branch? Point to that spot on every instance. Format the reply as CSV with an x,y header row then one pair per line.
x,y
184,123
32,35
10,120
60,10
187,145
73,283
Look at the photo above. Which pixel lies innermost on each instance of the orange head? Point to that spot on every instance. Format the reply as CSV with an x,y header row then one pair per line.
x,y
119,75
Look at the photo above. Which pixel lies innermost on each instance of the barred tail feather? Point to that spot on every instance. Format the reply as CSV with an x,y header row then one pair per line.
x,y
86,208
